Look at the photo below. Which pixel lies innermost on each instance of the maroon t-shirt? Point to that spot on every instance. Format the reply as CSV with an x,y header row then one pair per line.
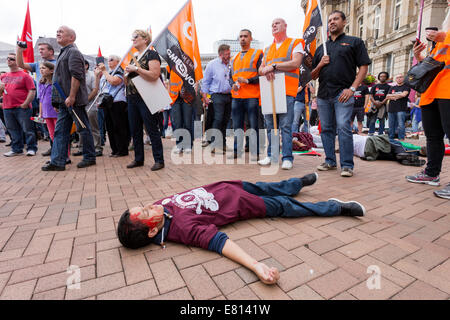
x,y
198,213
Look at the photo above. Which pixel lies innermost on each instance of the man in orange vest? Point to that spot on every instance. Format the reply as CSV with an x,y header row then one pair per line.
x,y
181,113
285,55
435,105
245,93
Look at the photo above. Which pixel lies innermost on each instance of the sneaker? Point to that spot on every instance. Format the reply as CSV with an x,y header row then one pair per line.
x,y
12,154
47,153
287,165
31,153
85,164
423,178
326,167
265,162
187,151
351,208
444,193
347,173
177,150
309,179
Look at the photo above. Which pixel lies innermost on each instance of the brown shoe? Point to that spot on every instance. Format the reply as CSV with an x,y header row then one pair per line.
x,y
157,166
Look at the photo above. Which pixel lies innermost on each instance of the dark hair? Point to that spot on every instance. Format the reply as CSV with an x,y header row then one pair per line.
x,y
50,66
132,235
384,72
342,14
48,45
12,54
223,47
246,30
86,63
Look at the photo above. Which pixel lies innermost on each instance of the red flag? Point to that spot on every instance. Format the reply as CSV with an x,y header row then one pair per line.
x,y
27,36
99,52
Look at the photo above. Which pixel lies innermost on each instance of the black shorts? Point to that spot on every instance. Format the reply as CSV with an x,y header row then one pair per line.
x,y
359,113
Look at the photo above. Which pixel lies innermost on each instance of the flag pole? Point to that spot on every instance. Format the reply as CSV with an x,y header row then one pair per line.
x,y
324,38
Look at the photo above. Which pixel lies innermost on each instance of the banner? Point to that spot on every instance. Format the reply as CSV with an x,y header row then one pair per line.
x,y
27,36
313,21
178,45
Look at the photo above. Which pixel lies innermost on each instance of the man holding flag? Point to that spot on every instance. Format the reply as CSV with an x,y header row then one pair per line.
x,y
335,65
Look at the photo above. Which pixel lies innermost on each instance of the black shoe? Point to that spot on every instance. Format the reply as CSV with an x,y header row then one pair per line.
x,y
113,155
2,140
351,208
47,153
416,163
85,164
135,164
68,161
157,166
309,179
8,145
99,153
407,156
52,167
77,154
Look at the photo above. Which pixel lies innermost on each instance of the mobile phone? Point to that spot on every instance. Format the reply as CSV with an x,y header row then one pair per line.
x,y
99,60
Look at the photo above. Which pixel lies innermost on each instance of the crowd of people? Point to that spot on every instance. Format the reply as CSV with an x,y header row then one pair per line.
x,y
90,103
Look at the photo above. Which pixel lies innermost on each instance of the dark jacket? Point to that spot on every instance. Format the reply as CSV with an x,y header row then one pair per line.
x,y
70,63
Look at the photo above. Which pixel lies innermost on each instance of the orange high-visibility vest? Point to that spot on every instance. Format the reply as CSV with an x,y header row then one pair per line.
x,y
175,85
283,54
439,88
245,66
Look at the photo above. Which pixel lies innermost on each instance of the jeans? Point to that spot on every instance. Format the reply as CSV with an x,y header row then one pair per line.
x,y
167,114
2,131
101,125
335,119
182,119
222,112
415,124
95,129
371,124
285,126
299,110
139,116
436,123
18,123
241,107
397,120
278,201
61,140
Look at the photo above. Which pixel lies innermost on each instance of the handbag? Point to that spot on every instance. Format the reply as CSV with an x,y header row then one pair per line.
x,y
106,100
422,75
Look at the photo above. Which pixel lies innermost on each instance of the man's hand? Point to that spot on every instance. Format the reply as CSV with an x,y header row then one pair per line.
x,y
206,99
70,101
235,87
418,48
2,86
268,72
24,106
97,72
242,80
325,61
436,36
345,96
265,274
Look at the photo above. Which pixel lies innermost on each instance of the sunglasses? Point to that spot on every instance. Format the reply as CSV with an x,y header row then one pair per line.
x,y
11,59
134,38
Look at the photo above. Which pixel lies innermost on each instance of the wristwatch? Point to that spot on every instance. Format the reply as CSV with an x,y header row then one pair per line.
x,y
274,66
353,89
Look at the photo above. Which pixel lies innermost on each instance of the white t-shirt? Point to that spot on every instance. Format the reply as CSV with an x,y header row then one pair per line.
x,y
359,145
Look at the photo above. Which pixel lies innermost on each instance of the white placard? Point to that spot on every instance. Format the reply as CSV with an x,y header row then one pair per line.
x,y
154,94
280,94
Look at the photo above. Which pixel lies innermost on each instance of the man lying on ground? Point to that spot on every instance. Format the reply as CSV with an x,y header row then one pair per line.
x,y
193,217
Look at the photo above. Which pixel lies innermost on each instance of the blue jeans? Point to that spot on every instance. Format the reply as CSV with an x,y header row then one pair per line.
x,y
101,125
167,114
371,124
182,119
299,110
139,116
285,126
278,201
18,122
239,108
397,120
335,119
61,140
222,112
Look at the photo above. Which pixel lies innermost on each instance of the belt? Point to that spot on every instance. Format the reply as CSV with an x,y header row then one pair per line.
x,y
224,94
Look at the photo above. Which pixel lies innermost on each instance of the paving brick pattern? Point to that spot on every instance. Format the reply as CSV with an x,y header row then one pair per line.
x,y
51,221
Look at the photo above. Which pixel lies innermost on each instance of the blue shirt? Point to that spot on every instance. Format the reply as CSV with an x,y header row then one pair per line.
x,y
35,68
217,77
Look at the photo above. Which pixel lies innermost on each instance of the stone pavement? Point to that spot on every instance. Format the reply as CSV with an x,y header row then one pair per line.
x,y
51,221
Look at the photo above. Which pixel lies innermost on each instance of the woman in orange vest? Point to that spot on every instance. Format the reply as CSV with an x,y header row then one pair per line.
x,y
435,105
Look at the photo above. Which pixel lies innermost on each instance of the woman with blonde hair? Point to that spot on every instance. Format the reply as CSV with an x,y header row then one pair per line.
x,y
435,105
148,67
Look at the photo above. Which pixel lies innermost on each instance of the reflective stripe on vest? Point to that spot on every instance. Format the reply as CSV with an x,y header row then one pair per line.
x,y
252,60
245,65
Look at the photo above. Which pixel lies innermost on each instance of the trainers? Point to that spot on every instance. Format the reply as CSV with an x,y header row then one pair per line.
x,y
444,193
287,165
188,151
31,153
85,164
350,208
423,178
309,179
47,153
347,172
177,150
265,162
326,167
12,154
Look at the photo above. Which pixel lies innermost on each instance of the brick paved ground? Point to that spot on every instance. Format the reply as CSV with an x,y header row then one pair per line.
x,y
50,221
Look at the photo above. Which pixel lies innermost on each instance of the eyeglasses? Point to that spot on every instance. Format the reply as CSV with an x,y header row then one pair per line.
x,y
134,38
11,59
111,60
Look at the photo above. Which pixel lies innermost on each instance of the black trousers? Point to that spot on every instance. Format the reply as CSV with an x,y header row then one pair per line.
x,y
117,127
436,123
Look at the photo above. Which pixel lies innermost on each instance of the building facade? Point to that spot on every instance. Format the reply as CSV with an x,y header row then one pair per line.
x,y
235,45
388,28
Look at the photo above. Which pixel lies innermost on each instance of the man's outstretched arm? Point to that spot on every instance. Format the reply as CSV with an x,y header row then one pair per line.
x,y
267,275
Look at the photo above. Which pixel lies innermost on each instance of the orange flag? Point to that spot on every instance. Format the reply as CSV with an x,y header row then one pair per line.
x,y
128,57
313,20
178,45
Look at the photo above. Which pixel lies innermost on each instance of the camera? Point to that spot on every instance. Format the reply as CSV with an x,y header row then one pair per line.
x,y
22,44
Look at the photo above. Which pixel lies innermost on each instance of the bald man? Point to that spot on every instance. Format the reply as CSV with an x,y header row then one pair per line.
x,y
71,77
